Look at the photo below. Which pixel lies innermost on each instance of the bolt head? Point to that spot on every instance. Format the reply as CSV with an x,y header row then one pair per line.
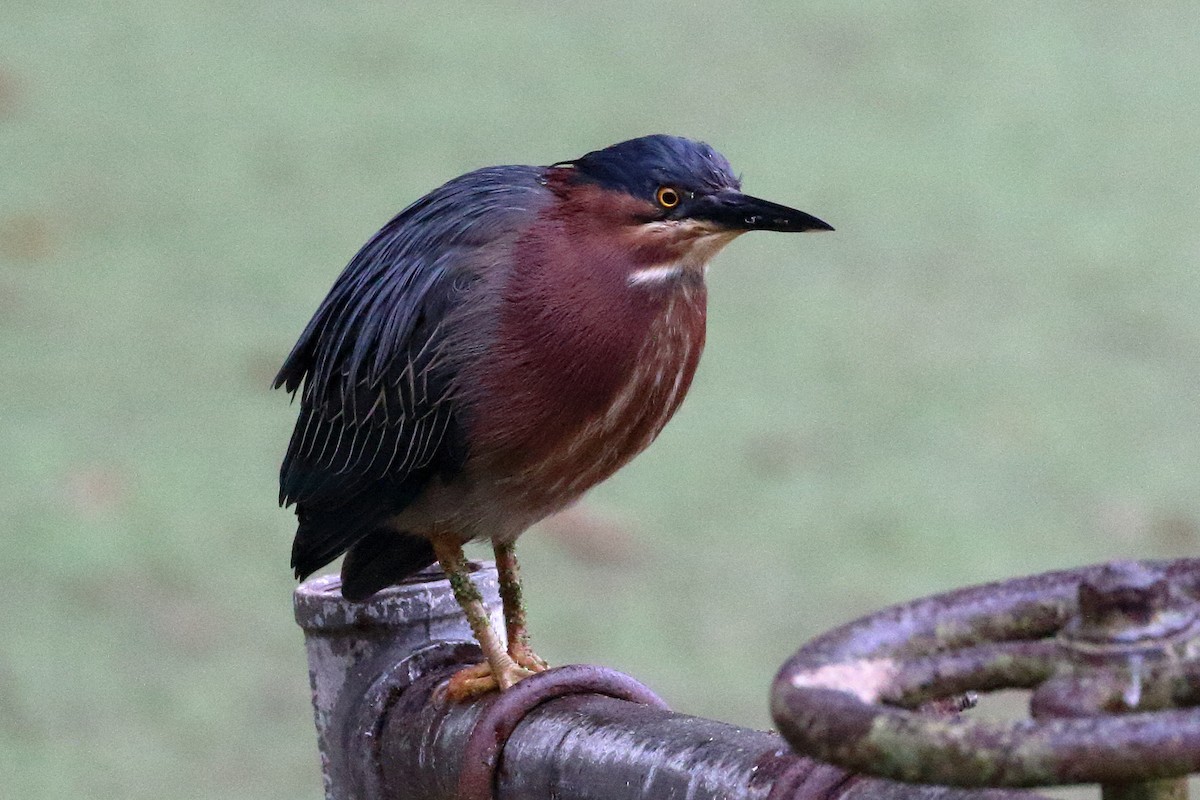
x,y
1128,603
1123,592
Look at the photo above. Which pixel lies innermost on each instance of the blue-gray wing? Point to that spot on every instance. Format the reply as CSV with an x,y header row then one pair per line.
x,y
379,416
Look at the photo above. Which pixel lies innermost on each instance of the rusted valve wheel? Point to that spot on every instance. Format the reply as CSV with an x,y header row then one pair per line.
x,y
1112,652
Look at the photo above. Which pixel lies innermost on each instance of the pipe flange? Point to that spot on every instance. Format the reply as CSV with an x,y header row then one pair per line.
x,y
811,780
481,757
363,740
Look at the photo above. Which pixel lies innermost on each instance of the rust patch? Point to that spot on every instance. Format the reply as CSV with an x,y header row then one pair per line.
x,y
867,679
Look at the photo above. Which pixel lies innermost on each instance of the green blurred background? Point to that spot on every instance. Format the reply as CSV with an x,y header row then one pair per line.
x,y
989,370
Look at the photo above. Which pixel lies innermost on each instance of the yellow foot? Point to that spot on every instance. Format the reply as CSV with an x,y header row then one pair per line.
x,y
527,658
479,679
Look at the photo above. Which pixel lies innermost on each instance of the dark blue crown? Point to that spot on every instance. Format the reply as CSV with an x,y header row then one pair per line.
x,y
640,166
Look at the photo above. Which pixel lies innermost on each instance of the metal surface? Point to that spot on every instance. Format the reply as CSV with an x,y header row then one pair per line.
x,y
360,655
492,729
1113,652
591,747
385,734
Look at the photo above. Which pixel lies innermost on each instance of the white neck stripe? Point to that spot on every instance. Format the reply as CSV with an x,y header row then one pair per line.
x,y
660,274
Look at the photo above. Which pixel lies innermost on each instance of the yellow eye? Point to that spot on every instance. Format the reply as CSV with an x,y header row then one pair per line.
x,y
667,197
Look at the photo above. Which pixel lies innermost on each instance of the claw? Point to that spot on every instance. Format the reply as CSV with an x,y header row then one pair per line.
x,y
479,679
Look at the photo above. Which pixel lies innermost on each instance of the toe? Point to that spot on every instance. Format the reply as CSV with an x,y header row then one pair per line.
x,y
511,675
468,682
461,689
479,679
528,659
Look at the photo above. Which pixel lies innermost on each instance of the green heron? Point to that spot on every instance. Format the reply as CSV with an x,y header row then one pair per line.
x,y
502,345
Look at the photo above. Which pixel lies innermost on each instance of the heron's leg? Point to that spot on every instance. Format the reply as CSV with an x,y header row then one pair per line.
x,y
499,671
514,607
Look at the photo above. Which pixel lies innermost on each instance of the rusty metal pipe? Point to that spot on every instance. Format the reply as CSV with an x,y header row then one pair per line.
x,y
591,747
384,735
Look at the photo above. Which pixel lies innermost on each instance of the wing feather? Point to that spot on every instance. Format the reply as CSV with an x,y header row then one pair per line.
x,y
379,414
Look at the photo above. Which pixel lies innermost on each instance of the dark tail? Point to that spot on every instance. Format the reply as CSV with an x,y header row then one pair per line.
x,y
381,559
375,557
322,537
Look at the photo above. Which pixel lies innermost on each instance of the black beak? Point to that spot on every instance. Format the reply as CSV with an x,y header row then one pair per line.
x,y
742,212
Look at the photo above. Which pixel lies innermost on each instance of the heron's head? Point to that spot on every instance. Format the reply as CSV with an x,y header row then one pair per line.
x,y
673,202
